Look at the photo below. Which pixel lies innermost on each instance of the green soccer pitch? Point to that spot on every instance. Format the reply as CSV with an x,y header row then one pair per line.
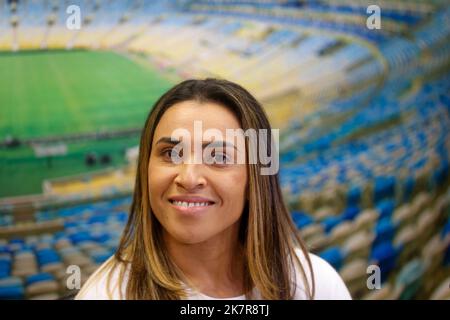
x,y
59,93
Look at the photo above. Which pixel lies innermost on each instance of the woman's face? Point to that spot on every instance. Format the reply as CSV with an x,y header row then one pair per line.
x,y
196,200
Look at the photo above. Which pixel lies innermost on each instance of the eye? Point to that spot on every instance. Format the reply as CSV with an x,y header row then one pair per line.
x,y
168,153
220,157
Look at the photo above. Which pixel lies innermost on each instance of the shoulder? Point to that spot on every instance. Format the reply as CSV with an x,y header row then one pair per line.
x,y
97,286
328,283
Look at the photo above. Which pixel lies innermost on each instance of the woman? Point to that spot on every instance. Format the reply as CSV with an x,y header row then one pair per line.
x,y
209,229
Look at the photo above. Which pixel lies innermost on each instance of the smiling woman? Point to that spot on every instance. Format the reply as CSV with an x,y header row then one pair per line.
x,y
209,229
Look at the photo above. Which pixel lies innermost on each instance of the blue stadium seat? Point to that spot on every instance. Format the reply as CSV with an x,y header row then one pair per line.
x,y
330,222
301,219
350,213
13,292
386,208
384,231
5,265
44,276
385,256
333,256
384,188
46,256
354,194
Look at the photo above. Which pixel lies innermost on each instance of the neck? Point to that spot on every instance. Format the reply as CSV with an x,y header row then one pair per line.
x,y
213,267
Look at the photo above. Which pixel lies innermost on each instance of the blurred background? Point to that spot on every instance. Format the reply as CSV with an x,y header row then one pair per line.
x,y
363,115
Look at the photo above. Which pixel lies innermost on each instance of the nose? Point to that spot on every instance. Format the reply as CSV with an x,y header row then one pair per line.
x,y
190,177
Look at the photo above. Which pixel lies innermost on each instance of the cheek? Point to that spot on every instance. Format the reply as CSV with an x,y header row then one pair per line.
x,y
159,179
158,183
233,187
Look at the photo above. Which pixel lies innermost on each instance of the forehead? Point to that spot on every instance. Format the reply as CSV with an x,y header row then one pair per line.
x,y
184,114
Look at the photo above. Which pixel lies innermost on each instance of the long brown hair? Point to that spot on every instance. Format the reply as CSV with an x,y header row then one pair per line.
x,y
267,233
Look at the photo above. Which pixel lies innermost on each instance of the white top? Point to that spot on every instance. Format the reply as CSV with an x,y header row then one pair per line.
x,y
329,285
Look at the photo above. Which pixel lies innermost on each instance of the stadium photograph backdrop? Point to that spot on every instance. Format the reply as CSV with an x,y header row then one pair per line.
x,y
359,89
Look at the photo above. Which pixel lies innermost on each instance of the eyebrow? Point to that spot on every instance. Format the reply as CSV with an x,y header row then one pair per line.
x,y
213,144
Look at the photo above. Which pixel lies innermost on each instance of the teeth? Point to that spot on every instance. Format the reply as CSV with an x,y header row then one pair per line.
x,y
190,204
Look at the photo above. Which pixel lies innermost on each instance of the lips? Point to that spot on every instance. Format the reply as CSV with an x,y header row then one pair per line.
x,y
190,204
190,199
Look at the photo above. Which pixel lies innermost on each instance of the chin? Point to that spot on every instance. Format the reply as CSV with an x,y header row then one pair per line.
x,y
188,236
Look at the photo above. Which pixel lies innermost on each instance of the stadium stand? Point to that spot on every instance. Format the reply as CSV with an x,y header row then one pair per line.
x,y
364,117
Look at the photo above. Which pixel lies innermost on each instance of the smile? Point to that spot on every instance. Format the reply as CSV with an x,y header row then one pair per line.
x,y
186,204
190,205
